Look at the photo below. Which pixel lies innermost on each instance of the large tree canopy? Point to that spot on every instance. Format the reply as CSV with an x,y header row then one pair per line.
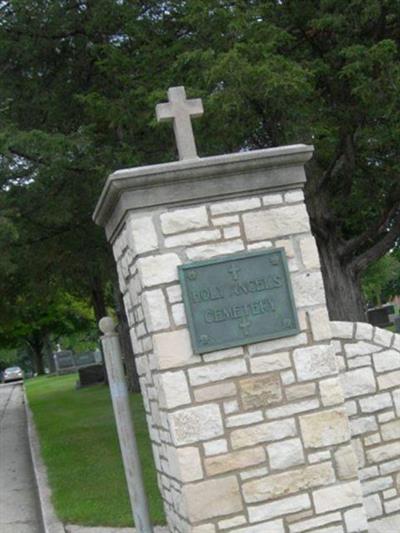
x,y
79,80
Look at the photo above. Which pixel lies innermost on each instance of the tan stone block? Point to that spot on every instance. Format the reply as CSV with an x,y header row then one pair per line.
x,y
229,523
292,408
296,392
337,497
215,392
184,219
193,237
312,523
346,462
243,419
213,249
275,486
312,362
397,482
282,507
320,324
195,424
331,392
389,380
356,520
155,310
260,391
226,221
211,498
269,363
213,372
227,462
141,234
391,430
276,222
285,453
272,199
172,349
325,428
185,463
216,447
174,389
275,345
309,253
158,269
383,453
359,451
308,288
271,527
204,528
258,433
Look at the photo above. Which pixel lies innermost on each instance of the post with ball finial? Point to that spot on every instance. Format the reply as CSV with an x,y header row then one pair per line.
x,y
126,433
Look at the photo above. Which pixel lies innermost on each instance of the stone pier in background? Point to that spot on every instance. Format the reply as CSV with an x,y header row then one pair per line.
x,y
253,438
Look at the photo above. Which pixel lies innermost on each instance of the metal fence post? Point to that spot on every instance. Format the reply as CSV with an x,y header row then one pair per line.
x,y
126,434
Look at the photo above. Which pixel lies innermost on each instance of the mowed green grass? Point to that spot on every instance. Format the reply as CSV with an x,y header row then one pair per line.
x,y
80,448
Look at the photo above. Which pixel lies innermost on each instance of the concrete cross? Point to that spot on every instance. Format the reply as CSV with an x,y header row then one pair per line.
x,y
180,111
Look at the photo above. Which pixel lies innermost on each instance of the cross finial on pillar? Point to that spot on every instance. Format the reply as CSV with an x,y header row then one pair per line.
x,y
180,111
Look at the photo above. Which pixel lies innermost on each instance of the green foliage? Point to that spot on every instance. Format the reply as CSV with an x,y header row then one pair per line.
x,y
380,278
82,455
79,86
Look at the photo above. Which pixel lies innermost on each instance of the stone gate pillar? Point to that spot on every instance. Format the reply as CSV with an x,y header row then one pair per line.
x,y
233,347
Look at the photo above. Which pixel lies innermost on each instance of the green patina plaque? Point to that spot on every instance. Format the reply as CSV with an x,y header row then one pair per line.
x,y
238,299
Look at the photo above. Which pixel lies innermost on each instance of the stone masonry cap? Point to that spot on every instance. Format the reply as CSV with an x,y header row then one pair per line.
x,y
200,180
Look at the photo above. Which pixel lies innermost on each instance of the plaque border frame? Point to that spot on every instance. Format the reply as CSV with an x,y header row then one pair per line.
x,y
224,259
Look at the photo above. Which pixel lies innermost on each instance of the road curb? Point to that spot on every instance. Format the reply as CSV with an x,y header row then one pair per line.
x,y
51,524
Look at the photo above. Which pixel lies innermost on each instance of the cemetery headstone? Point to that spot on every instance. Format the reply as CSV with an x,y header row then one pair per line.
x,y
64,362
85,358
91,375
380,316
90,368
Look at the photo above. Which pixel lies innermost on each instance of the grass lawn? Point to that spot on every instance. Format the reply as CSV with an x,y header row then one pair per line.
x,y
81,451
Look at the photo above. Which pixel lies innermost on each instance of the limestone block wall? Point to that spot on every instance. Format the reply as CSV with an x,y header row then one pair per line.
x,y
252,439
369,362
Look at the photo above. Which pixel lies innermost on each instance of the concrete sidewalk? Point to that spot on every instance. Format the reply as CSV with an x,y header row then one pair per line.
x,y
19,505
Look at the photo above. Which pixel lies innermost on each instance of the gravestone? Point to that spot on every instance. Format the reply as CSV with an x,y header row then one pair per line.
x,y
91,375
64,362
380,316
223,291
85,358
90,368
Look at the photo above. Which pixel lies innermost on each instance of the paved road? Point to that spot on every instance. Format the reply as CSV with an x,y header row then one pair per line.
x,y
19,510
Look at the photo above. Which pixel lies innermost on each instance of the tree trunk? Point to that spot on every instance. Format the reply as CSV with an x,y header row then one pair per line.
x,y
98,300
36,346
49,355
342,285
127,351
125,339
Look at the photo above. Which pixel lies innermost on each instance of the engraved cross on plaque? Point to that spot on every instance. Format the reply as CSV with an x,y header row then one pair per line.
x,y
233,270
244,325
180,111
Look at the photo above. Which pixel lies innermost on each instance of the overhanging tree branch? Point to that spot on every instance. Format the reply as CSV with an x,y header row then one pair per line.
x,y
360,263
374,233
